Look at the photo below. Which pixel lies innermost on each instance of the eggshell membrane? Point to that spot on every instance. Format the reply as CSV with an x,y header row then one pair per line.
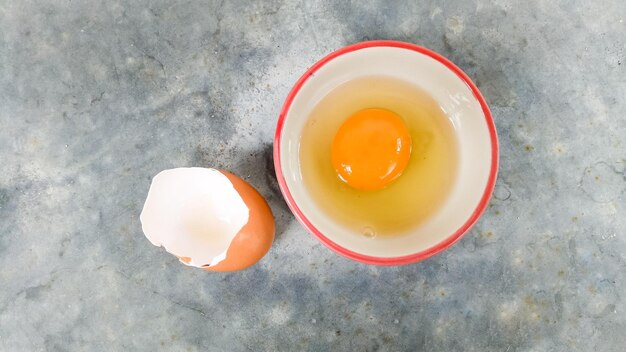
x,y
256,237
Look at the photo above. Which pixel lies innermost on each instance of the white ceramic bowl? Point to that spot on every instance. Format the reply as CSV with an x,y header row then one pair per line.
x,y
464,106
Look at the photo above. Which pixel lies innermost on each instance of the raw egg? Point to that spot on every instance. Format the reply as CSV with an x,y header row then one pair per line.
x,y
208,218
371,149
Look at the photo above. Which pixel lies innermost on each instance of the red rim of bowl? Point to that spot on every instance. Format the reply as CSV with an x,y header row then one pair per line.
x,y
411,258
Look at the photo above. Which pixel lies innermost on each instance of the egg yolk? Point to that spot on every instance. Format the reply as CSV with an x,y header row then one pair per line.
x,y
371,149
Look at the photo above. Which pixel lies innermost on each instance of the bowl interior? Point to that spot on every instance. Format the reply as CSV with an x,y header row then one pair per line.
x,y
455,98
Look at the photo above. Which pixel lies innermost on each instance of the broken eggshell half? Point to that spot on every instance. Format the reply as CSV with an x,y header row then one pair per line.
x,y
208,218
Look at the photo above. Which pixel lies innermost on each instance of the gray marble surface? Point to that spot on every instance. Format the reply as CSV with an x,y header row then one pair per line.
x,y
97,97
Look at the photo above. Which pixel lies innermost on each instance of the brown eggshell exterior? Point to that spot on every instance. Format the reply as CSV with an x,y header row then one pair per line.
x,y
256,237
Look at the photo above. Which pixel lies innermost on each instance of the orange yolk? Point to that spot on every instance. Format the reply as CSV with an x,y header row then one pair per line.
x,y
371,149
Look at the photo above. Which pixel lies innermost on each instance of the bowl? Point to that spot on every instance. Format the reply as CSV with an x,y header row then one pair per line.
x,y
473,126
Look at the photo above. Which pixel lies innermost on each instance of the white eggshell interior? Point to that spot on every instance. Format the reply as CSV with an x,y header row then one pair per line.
x,y
457,101
193,212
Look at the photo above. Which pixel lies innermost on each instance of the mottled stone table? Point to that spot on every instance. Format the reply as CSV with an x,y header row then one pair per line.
x,y
97,97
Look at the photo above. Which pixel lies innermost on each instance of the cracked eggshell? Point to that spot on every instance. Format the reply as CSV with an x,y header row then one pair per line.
x,y
208,218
